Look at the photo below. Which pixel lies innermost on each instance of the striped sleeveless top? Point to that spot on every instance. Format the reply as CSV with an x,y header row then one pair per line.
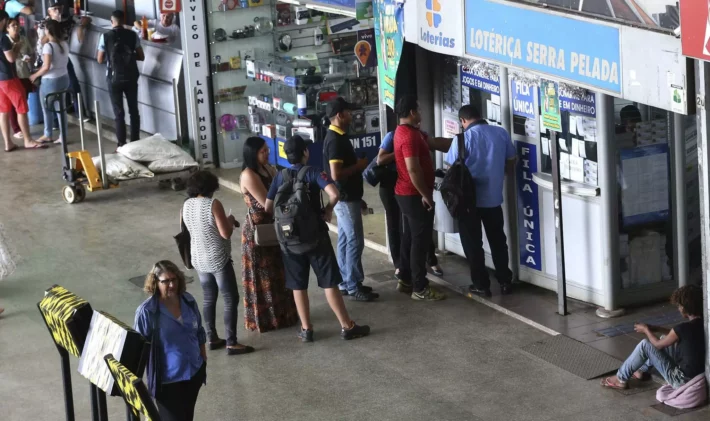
x,y
210,252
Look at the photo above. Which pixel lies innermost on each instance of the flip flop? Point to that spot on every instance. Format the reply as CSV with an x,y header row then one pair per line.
x,y
606,383
13,148
38,146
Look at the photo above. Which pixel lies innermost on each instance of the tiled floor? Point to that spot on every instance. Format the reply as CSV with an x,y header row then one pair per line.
x,y
540,306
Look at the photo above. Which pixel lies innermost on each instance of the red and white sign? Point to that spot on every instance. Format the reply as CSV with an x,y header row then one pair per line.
x,y
695,28
170,6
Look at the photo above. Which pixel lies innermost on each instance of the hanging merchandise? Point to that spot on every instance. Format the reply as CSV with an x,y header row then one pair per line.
x,y
365,49
389,34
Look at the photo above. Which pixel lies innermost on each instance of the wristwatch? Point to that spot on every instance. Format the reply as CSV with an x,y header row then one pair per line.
x,y
285,42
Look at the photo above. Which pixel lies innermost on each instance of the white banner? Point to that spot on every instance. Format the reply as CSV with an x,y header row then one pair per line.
x,y
197,66
440,26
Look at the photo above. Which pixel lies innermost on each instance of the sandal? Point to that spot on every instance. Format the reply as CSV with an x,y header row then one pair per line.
x,y
608,384
645,376
13,148
37,146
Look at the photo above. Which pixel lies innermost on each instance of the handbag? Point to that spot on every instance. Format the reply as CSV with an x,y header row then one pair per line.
x,y
264,234
182,239
458,189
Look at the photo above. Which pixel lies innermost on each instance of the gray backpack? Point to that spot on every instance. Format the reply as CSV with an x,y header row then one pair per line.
x,y
297,225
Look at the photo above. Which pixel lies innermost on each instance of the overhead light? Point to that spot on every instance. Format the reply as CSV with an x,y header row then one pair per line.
x,y
326,9
290,2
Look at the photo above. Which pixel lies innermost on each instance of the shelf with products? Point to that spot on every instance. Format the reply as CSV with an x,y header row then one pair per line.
x,y
229,6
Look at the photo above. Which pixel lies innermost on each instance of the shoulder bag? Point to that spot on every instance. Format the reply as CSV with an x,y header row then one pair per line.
x,y
182,239
458,189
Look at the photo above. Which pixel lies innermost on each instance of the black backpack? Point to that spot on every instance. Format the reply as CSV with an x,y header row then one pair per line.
x,y
122,65
298,227
458,189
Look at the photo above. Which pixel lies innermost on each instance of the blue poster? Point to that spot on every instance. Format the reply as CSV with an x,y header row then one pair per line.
x,y
571,49
476,79
342,3
585,104
523,100
528,206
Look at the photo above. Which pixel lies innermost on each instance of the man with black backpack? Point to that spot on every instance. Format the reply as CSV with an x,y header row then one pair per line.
x,y
489,157
121,49
300,223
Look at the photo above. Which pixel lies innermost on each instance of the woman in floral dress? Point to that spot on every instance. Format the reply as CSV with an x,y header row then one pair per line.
x,y
268,304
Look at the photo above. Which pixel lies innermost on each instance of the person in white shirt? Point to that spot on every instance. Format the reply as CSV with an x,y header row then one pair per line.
x,y
55,76
166,27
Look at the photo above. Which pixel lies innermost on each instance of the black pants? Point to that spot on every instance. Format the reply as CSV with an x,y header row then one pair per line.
x,y
472,241
417,227
116,91
176,401
394,228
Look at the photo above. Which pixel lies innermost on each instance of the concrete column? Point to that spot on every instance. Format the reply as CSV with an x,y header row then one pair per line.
x,y
511,207
606,152
702,86
679,201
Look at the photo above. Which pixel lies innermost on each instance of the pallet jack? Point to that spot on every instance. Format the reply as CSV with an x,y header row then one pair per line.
x,y
79,170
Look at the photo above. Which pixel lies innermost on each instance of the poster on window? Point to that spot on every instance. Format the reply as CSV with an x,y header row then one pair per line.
x,y
389,36
170,6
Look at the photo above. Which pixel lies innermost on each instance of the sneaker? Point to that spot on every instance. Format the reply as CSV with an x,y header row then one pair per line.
x,y
404,287
355,332
429,294
306,335
361,295
474,290
360,286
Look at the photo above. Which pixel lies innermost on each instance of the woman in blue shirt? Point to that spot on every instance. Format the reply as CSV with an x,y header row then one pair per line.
x,y
170,319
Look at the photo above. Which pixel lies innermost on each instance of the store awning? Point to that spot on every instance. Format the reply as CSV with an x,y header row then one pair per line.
x,y
340,7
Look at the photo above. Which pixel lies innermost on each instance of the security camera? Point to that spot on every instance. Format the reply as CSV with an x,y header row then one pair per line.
x,y
676,32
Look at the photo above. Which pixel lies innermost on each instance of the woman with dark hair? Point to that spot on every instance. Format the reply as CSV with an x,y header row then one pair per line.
x,y
55,77
211,232
678,355
268,304
170,319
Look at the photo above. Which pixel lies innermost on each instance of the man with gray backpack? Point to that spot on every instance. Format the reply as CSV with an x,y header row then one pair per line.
x,y
300,222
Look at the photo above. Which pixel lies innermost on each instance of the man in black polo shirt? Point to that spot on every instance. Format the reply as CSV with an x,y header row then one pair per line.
x,y
344,167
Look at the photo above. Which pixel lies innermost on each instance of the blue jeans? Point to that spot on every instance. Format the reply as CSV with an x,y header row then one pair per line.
x,y
646,356
351,243
47,87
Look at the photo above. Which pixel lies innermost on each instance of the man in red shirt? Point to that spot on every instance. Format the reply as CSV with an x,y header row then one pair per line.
x,y
413,191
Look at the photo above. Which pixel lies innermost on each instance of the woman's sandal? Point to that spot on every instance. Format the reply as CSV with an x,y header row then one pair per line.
x,y
607,383
645,376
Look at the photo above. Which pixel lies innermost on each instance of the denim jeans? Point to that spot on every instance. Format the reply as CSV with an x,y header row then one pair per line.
x,y
351,243
47,87
76,89
646,356
225,281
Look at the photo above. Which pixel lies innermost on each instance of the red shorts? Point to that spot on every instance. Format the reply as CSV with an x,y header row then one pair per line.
x,y
12,95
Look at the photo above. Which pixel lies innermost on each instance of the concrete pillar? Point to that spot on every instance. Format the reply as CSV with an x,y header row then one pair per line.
x,y
606,152
679,201
702,86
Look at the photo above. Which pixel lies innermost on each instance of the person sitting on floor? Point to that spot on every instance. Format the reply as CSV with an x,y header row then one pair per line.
x,y
679,356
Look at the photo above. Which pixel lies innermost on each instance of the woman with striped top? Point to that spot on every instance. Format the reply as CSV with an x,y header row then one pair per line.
x,y
211,232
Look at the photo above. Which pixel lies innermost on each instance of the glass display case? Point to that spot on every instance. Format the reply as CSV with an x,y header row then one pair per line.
x,y
238,31
276,65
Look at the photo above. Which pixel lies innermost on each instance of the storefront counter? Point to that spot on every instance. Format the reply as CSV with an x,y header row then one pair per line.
x,y
156,98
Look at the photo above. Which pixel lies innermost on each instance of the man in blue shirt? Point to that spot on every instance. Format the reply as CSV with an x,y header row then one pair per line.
x,y
490,156
322,259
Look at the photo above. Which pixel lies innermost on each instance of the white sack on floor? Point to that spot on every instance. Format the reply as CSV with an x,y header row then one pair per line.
x,y
150,149
178,163
119,167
